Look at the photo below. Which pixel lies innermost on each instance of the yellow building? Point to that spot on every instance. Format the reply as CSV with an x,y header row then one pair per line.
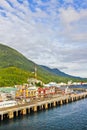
x,y
26,92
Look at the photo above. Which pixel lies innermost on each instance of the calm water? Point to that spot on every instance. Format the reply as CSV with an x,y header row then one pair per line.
x,y
72,116
79,86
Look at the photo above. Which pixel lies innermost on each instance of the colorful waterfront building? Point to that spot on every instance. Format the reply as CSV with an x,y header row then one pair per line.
x,y
32,92
26,92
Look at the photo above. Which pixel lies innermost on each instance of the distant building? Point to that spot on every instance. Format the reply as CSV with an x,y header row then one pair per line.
x,y
3,96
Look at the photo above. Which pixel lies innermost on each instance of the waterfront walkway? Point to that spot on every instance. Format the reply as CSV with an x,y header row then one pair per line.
x,y
46,103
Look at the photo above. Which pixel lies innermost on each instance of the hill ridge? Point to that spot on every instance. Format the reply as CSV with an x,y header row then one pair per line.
x,y
10,57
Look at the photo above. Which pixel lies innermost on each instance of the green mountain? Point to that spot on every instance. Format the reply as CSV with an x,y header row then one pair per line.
x,y
58,72
12,58
17,69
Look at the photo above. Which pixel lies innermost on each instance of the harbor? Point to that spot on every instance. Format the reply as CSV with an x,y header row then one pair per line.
x,y
35,106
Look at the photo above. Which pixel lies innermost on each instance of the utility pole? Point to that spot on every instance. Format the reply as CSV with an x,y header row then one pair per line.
x,y
35,71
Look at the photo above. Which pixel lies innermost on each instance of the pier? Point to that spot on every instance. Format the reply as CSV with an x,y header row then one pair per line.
x,y
27,108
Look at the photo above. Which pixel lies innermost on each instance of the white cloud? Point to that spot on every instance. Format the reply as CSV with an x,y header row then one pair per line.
x,y
69,15
73,24
54,37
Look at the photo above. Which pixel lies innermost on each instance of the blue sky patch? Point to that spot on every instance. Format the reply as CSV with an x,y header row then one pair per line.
x,y
20,1
3,14
32,5
45,0
1,8
80,4
10,3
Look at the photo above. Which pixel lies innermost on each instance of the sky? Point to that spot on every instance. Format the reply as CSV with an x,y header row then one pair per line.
x,y
49,32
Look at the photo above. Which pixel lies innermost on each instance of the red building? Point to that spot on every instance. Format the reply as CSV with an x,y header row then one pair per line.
x,y
45,92
42,92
